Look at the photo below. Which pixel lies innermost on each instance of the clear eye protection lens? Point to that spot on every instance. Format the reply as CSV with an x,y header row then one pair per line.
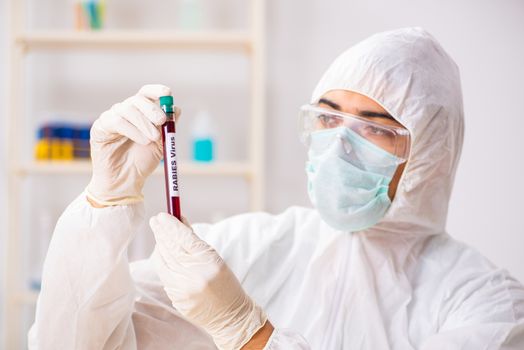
x,y
392,139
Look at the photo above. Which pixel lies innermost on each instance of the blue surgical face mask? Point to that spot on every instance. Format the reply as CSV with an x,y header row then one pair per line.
x,y
348,178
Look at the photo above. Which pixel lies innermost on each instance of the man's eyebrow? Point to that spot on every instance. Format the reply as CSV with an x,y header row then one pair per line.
x,y
369,114
372,114
329,103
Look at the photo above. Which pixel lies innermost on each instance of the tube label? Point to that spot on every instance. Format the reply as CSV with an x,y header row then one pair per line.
x,y
171,164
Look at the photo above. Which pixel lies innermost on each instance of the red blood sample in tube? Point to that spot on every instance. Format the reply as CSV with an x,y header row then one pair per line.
x,y
170,158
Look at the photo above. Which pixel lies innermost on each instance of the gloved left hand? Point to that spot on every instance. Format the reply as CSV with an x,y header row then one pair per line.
x,y
126,147
201,286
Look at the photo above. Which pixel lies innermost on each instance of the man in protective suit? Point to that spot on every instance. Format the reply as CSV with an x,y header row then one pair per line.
x,y
371,267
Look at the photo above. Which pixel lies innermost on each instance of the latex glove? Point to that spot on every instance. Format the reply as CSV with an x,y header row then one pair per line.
x,y
201,286
126,147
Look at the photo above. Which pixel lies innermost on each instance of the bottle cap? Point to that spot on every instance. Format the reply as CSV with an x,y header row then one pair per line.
x,y
166,102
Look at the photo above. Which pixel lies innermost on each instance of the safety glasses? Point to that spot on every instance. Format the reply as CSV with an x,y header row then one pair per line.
x,y
392,139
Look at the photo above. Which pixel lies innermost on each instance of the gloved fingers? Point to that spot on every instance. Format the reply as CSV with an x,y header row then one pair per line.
x,y
185,221
178,282
196,244
149,109
178,112
175,278
167,220
177,242
158,148
134,116
112,126
171,233
162,264
154,91
189,272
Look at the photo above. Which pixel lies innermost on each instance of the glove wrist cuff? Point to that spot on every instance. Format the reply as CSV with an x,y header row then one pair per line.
x,y
111,201
238,334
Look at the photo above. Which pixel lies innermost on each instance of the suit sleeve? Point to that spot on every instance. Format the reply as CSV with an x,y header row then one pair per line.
x,y
485,312
87,295
283,339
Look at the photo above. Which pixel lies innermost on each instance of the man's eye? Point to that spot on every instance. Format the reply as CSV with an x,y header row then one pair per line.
x,y
373,130
329,121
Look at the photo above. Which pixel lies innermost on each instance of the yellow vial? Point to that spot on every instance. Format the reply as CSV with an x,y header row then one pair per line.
x,y
42,149
56,149
67,150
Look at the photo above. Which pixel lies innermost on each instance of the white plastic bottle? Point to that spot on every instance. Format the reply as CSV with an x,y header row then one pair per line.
x,y
191,15
203,138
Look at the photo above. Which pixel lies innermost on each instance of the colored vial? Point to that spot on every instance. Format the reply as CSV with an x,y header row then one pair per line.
x,y
66,142
42,150
56,144
81,136
170,157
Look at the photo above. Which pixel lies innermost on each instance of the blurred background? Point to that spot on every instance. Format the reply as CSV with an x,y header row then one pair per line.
x,y
240,74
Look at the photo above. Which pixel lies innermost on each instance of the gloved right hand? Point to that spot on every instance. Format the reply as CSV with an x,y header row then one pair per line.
x,y
202,287
126,147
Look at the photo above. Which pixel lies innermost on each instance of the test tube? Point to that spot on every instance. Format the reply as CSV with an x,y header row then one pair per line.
x,y
170,161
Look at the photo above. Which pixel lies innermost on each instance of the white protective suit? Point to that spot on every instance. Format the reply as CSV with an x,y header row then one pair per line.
x,y
402,284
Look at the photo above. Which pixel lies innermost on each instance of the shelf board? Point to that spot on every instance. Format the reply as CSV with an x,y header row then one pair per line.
x,y
225,39
186,168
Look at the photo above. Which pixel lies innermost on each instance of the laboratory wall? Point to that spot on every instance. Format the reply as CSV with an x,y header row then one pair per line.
x,y
485,37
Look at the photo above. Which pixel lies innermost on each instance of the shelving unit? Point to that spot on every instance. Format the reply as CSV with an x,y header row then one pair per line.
x,y
136,39
185,168
22,41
